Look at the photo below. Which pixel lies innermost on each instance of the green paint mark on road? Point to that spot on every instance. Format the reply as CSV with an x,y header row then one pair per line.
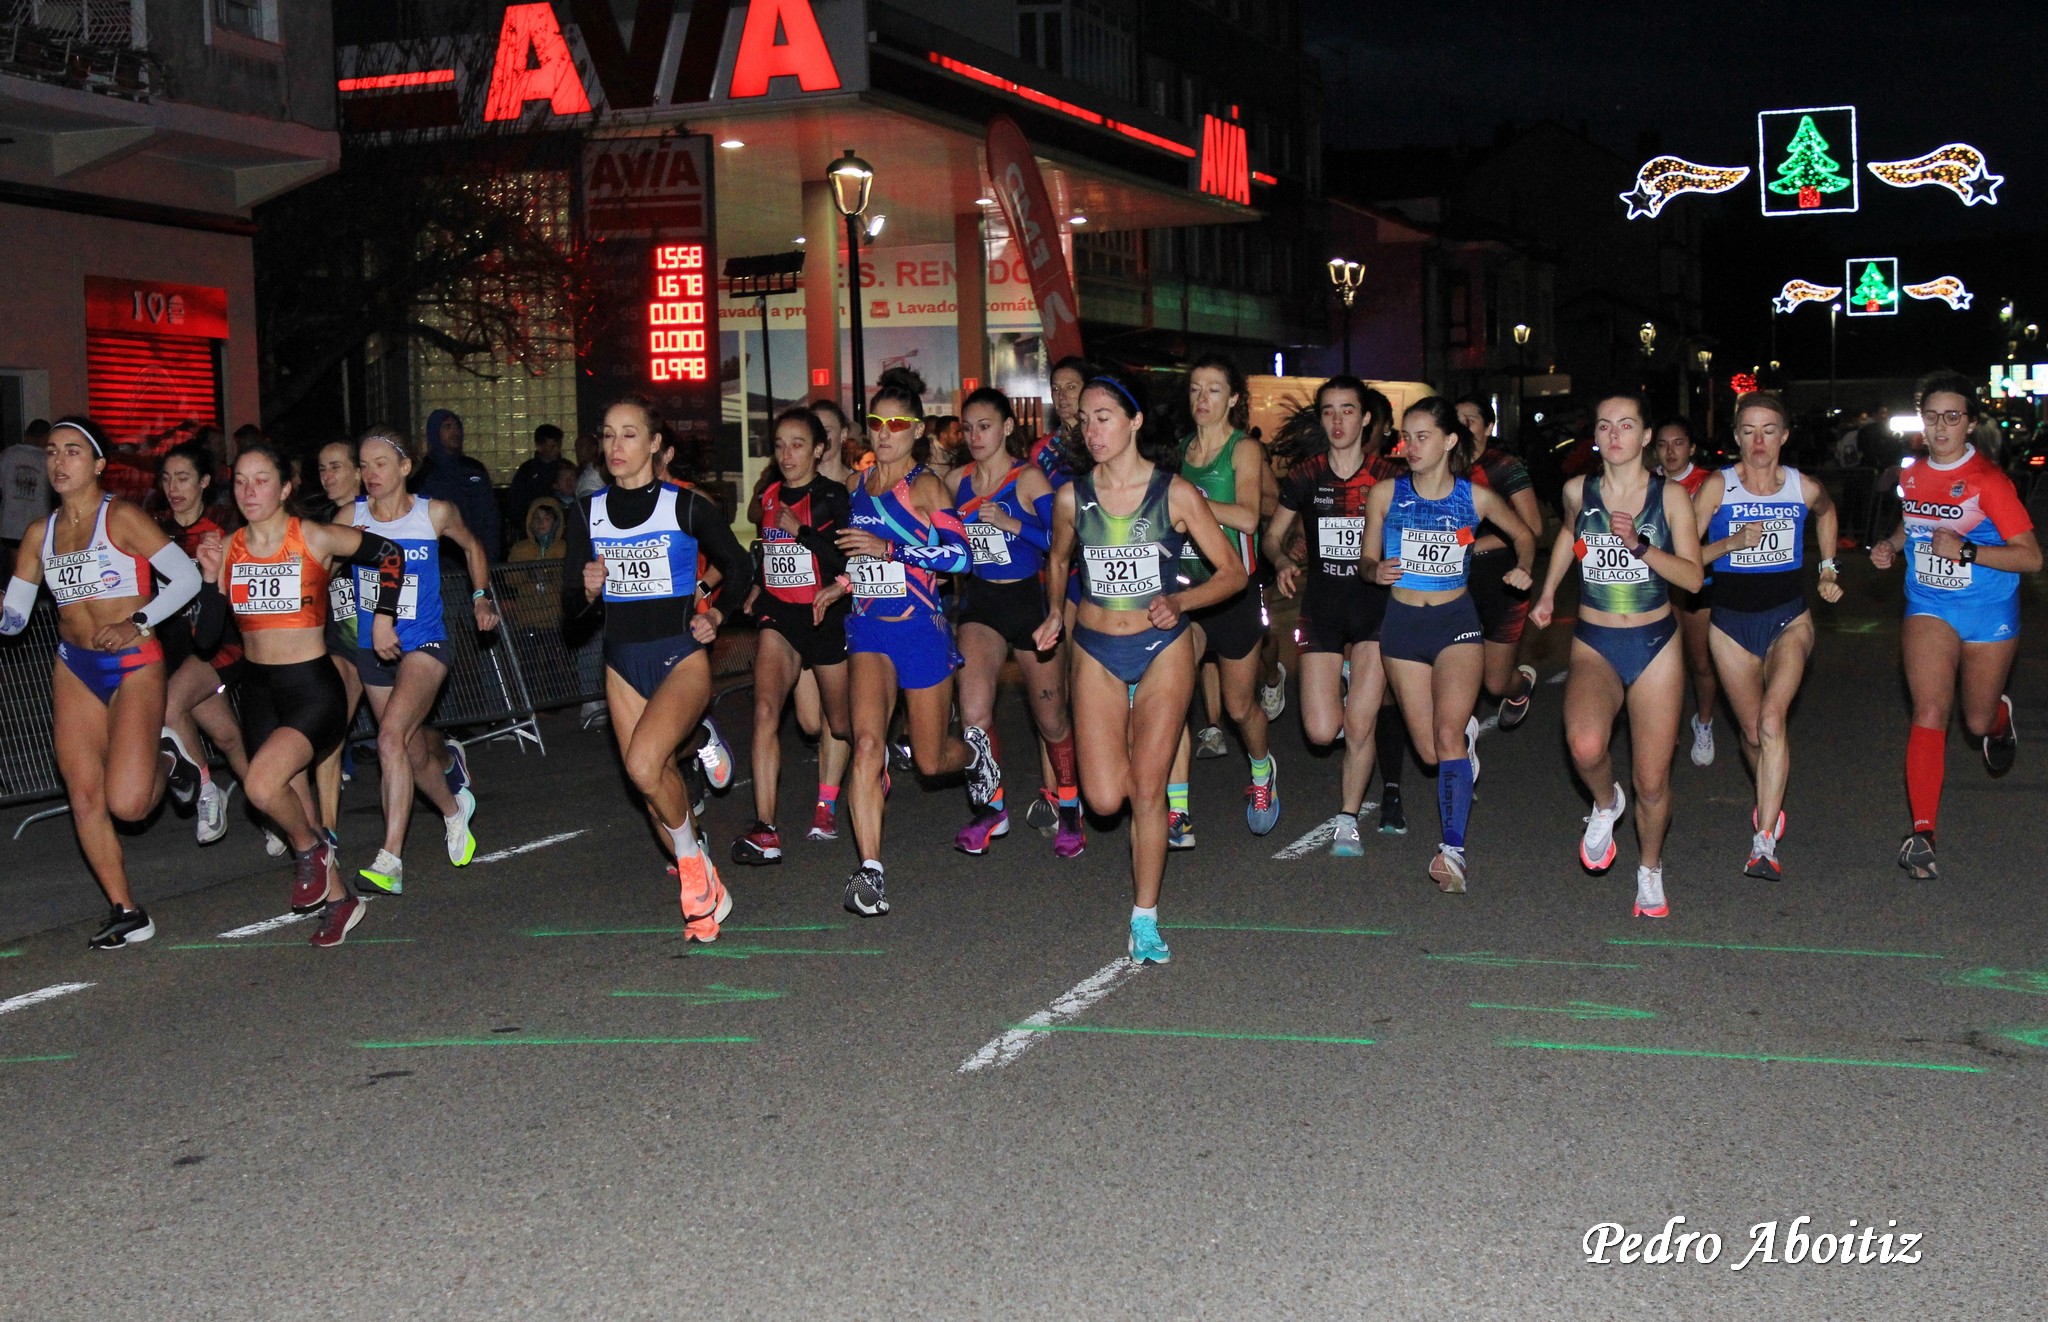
x,y
257,945
1738,1055
1278,928
8,954
552,1042
1487,959
2030,1037
677,931
32,1060
1190,1032
1775,950
1576,1009
748,952
2032,982
715,994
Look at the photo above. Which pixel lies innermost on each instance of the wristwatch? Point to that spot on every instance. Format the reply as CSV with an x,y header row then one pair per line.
x,y
1642,546
1968,555
142,625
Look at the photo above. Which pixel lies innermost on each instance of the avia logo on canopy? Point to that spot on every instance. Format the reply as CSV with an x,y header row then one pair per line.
x,y
1226,167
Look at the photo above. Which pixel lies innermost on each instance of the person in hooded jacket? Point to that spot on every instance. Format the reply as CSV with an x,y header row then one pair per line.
x,y
461,481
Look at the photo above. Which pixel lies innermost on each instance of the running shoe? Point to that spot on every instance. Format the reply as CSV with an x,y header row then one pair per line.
x,y
696,786
211,821
1180,830
184,778
1262,802
387,874
762,844
1393,817
1702,743
1273,697
594,715
273,844
1447,869
124,927
337,920
824,822
865,894
1778,834
1513,711
903,757
1916,856
1070,839
984,777
716,756
708,896
1472,745
1146,946
1596,848
309,878
457,774
1650,893
1043,812
1345,842
1763,858
461,844
2000,750
1209,743
987,824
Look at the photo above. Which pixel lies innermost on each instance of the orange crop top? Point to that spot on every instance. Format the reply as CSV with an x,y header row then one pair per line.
x,y
286,591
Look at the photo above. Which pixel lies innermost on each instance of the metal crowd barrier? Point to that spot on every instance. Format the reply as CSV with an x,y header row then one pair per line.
x,y
485,685
28,744
529,596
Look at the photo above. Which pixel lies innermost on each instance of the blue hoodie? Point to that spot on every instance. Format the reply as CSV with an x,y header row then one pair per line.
x,y
464,483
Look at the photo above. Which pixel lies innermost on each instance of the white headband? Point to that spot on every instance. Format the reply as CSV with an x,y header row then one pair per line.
x,y
89,437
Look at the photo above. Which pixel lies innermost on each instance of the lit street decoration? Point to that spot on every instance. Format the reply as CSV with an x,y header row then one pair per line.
x,y
1873,286
1957,167
1665,177
1743,383
1797,292
1806,160
1946,288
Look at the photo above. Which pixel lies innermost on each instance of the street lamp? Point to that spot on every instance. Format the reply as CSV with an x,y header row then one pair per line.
x,y
1834,319
1345,279
1706,357
1647,333
853,180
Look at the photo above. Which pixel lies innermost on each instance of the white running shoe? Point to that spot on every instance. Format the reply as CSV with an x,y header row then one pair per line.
x,y
716,756
1472,746
211,821
273,844
1273,697
1702,743
1650,893
1596,849
461,844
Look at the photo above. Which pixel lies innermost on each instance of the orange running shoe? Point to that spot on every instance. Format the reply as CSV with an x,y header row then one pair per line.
x,y
704,893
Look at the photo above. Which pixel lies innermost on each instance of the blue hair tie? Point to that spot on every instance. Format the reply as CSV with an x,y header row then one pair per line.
x,y
1118,387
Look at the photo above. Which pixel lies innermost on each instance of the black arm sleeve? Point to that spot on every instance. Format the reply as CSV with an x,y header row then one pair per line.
x,y
381,554
703,521
209,619
831,513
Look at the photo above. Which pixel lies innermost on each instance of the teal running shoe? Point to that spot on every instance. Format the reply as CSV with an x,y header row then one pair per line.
x,y
1145,945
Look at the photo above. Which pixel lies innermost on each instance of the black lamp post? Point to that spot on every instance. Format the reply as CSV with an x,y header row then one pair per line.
x,y
852,180
1345,279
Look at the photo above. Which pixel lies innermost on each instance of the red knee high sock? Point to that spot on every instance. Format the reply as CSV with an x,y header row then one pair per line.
x,y
1064,771
1926,756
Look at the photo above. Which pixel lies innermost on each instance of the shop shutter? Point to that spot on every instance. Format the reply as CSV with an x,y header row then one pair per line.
x,y
149,389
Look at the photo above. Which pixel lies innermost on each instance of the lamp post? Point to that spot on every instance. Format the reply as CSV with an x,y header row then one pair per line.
x,y
853,180
1834,318
1345,279
1707,378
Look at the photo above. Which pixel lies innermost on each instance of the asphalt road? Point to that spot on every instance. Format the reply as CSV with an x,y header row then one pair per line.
x,y
515,1093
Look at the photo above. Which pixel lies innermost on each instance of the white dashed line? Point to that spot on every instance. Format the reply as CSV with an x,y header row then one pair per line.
x,y
41,994
267,925
1313,841
1006,1047
501,854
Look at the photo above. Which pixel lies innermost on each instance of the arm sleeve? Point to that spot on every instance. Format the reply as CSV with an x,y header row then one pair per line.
x,y
382,555
181,584
946,552
830,510
210,619
21,599
576,553
1037,522
704,521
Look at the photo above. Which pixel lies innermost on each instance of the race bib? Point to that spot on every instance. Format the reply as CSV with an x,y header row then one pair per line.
x,y
1122,571
369,586
874,578
264,589
74,576
1777,550
1931,571
1608,560
788,565
633,571
991,546
1432,553
1338,538
341,599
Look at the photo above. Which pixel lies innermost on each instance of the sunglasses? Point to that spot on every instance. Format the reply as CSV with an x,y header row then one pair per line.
x,y
878,423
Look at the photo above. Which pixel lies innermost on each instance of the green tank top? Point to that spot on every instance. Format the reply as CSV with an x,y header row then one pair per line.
x,y
1217,480
1610,576
1126,560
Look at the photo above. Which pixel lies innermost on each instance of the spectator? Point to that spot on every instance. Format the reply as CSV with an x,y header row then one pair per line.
x,y
461,481
590,474
543,539
537,474
246,435
24,486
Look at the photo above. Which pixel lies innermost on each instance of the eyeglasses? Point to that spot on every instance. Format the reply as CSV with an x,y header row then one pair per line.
x,y
1948,418
892,424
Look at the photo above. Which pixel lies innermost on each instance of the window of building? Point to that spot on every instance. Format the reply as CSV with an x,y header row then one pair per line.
x,y
249,18
1103,50
1041,28
1457,287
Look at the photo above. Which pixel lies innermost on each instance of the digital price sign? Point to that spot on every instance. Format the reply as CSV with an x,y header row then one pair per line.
x,y
679,315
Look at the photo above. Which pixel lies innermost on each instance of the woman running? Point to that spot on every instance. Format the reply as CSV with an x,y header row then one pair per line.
x,y
1324,496
800,514
1970,539
1755,516
276,571
100,557
341,483
402,694
1630,531
1502,610
1051,453
904,534
1005,503
1124,520
1417,531
1676,445
635,551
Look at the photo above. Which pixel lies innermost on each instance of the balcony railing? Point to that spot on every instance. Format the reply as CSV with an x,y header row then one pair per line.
x,y
96,45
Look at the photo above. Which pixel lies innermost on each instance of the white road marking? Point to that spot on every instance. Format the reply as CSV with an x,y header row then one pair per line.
x,y
267,925
1006,1047
527,848
41,994
1313,841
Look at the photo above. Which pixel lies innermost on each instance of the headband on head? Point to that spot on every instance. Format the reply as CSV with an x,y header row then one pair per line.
x,y
1118,387
90,439
388,441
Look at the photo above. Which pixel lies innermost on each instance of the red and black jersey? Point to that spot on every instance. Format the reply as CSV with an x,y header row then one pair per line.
x,y
187,537
1332,511
794,567
1505,475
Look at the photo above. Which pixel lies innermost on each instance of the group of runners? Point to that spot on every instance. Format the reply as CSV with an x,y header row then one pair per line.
x,y
1106,558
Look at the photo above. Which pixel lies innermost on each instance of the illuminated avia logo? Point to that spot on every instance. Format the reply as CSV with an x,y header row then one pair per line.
x,y
1226,169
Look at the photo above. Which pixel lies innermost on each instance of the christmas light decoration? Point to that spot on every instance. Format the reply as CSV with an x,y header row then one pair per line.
x,y
1665,177
1743,383
1945,288
1957,167
1807,160
1797,292
1873,287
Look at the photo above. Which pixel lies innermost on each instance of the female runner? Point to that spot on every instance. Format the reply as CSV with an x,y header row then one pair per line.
x,y
904,534
1970,539
1417,531
800,514
100,557
1502,611
1124,520
1676,446
1005,503
1340,612
1624,647
1051,453
341,482
1755,517
635,550
402,694
276,570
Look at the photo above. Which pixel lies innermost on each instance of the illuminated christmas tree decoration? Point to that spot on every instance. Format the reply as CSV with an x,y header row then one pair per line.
x,y
1945,288
1957,167
1743,383
1665,177
1807,160
1873,287
1798,292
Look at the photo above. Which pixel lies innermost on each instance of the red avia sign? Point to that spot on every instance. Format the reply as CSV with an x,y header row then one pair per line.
x,y
1021,191
646,185
1226,169
151,307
